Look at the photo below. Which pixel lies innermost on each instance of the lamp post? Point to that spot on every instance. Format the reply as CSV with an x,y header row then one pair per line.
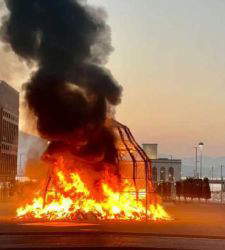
x,y
172,179
221,176
199,146
171,166
196,162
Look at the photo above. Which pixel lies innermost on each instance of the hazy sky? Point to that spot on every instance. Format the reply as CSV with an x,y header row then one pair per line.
x,y
170,58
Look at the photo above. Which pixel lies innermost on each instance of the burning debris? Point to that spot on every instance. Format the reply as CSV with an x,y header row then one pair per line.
x,y
70,95
78,189
71,199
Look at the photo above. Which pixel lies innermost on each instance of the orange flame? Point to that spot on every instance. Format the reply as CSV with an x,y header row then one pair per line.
x,y
71,199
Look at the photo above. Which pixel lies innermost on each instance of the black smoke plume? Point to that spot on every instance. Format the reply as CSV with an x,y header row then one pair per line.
x,y
71,89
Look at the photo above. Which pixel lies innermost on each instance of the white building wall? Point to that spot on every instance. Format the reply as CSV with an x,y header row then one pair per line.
x,y
30,147
151,150
167,164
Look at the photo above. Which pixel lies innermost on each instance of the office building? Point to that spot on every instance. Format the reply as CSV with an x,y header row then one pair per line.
x,y
9,120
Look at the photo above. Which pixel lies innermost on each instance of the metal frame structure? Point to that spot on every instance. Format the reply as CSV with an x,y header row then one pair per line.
x,y
128,149
131,150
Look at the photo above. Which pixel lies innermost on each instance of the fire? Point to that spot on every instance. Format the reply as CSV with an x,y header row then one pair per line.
x,y
71,199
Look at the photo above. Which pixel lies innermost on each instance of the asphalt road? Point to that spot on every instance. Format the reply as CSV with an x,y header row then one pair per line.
x,y
195,226
106,240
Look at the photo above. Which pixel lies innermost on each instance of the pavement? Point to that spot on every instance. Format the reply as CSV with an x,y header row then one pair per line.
x,y
194,226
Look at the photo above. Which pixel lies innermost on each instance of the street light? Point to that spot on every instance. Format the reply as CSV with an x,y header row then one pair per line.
x,y
196,162
200,146
171,166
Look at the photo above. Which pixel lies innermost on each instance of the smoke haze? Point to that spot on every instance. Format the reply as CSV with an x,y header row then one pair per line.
x,y
71,90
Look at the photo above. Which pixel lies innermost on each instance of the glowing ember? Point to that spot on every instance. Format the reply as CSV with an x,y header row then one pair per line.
x,y
71,199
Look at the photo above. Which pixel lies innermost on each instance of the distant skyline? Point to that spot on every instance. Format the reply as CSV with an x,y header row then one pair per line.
x,y
169,58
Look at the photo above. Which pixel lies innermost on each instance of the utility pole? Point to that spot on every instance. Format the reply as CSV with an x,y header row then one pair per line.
x,y
212,176
201,164
196,162
172,179
221,172
171,165
200,145
221,176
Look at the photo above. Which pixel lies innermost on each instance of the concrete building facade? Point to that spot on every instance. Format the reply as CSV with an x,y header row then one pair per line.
x,y
9,121
151,150
163,169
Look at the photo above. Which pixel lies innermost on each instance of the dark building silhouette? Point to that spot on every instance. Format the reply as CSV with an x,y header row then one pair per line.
x,y
9,120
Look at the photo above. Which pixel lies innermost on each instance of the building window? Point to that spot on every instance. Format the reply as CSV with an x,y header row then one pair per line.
x,y
162,174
